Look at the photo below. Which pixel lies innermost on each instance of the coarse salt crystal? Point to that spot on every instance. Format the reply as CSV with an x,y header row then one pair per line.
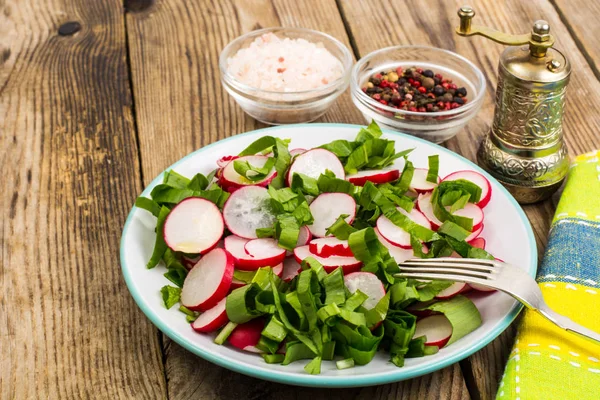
x,y
284,65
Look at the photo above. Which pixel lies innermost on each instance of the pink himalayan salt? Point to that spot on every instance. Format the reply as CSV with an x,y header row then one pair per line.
x,y
284,65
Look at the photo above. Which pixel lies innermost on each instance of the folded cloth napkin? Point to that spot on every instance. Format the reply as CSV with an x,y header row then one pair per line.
x,y
546,362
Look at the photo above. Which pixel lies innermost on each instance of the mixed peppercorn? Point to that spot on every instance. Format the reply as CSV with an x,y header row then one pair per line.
x,y
415,89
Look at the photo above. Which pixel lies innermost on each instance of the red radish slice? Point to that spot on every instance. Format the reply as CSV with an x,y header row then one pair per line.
x,y
193,226
330,246
263,253
453,290
223,161
474,234
247,210
212,319
189,262
327,208
398,253
384,175
419,182
231,179
348,264
396,235
478,242
303,238
476,178
297,152
315,162
208,282
369,284
246,336
436,329
291,268
469,211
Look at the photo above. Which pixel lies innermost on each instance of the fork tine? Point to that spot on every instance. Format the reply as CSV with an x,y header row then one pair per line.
x,y
445,270
453,260
437,263
446,277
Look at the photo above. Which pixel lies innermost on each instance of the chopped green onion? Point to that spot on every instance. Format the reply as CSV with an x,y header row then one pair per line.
x,y
453,230
462,314
335,290
314,367
159,244
304,184
170,295
240,304
345,364
173,179
434,165
252,173
225,332
148,205
273,358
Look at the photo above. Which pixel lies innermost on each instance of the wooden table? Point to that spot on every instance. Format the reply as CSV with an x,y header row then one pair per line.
x,y
91,112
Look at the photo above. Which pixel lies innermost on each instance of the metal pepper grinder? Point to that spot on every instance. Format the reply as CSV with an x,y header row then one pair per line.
x,y
524,149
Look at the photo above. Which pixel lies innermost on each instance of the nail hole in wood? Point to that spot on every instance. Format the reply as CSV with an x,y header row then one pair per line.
x,y
69,28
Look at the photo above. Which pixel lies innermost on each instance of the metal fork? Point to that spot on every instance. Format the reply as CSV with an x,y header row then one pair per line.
x,y
495,274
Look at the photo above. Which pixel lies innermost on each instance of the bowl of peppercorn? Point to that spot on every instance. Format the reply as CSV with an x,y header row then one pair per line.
x,y
423,91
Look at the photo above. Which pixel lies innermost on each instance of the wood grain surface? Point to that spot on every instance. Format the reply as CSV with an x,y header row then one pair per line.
x,y
432,23
68,326
89,116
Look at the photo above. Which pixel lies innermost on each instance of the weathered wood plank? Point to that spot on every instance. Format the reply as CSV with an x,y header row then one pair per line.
x,y
181,106
581,18
380,23
68,326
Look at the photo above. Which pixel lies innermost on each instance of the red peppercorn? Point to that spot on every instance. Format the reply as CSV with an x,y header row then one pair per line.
x,y
364,89
421,109
416,84
439,76
419,70
393,85
431,95
383,102
399,71
412,108
422,89
384,84
378,76
429,106
440,104
411,80
455,105
447,105
445,85
377,96
453,86
403,103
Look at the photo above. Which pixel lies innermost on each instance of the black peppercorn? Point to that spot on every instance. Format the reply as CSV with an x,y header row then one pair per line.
x,y
401,81
376,81
428,73
438,90
458,100
462,92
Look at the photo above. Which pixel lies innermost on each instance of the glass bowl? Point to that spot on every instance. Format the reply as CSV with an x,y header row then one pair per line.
x,y
275,107
433,126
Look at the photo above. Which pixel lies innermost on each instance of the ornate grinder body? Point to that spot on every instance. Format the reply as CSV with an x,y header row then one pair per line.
x,y
524,149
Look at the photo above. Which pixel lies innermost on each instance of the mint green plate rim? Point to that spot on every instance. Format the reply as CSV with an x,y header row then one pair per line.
x,y
319,380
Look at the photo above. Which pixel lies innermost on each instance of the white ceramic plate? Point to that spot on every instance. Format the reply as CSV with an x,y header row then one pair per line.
x,y
507,232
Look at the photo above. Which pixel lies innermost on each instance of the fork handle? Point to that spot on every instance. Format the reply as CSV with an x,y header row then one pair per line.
x,y
568,324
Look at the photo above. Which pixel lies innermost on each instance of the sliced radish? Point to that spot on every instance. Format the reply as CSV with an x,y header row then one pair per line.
x,y
327,208
469,211
251,256
246,336
387,174
478,242
419,182
348,264
193,226
315,162
247,210
189,262
474,234
223,161
330,246
212,319
436,329
476,178
291,268
208,282
231,179
453,290
297,152
396,235
398,253
369,284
